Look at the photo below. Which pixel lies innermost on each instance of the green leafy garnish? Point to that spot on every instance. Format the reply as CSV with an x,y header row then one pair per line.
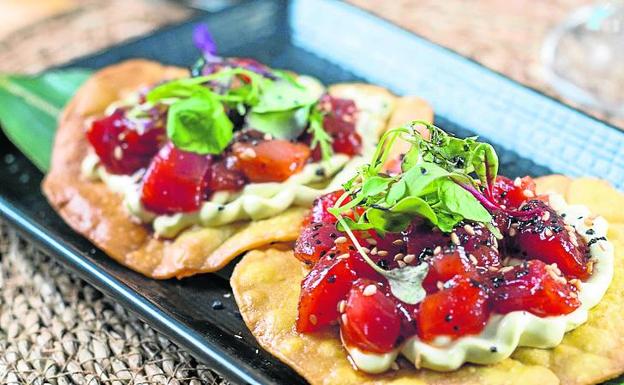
x,y
197,119
199,124
320,137
445,180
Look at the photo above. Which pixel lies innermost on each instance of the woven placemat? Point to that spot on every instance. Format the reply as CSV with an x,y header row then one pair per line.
x,y
57,329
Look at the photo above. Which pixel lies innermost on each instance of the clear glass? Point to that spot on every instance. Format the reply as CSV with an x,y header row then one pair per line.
x,y
583,57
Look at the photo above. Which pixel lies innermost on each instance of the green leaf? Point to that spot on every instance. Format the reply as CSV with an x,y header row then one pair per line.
x,y
485,163
396,192
415,206
420,179
375,185
406,282
320,137
459,201
282,95
199,125
180,88
287,125
385,221
30,106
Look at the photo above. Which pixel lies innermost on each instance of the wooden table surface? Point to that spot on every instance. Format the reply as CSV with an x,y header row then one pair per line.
x,y
505,35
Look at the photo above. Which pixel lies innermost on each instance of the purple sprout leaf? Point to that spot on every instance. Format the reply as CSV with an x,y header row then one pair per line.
x,y
204,41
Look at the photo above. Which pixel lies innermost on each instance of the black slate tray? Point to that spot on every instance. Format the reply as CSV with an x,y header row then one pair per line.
x,y
335,42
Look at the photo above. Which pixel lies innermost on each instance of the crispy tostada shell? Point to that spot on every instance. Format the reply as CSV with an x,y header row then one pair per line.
x,y
590,354
94,211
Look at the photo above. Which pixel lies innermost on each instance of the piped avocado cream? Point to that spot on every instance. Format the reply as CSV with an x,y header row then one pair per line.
x,y
504,333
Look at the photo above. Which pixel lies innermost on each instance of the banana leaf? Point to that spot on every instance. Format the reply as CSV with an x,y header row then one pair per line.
x,y
30,106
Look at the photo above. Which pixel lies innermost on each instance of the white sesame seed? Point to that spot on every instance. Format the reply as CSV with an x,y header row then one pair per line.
x,y
546,216
366,250
506,269
528,193
455,239
409,258
118,152
268,136
401,264
342,305
577,283
343,256
397,242
248,153
399,256
469,229
552,274
548,232
382,253
313,319
440,285
374,251
569,228
369,290
371,241
473,259
492,268
517,182
437,250
340,240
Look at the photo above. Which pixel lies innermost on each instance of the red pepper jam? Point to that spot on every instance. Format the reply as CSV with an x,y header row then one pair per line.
x,y
178,181
470,275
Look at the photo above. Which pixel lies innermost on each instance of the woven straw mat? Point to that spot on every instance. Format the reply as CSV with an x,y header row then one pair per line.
x,y
56,329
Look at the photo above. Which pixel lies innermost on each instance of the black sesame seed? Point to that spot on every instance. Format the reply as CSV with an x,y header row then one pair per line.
x,y
493,349
456,328
448,318
320,171
220,208
563,215
217,305
331,278
383,264
423,170
590,232
594,240
497,281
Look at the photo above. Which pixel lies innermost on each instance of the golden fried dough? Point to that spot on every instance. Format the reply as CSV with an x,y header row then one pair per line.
x,y
588,355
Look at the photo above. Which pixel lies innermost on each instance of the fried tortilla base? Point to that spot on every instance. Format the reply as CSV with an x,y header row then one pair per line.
x,y
94,211
590,354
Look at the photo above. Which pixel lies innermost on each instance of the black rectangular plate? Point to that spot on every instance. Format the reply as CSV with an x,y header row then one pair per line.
x,y
335,42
